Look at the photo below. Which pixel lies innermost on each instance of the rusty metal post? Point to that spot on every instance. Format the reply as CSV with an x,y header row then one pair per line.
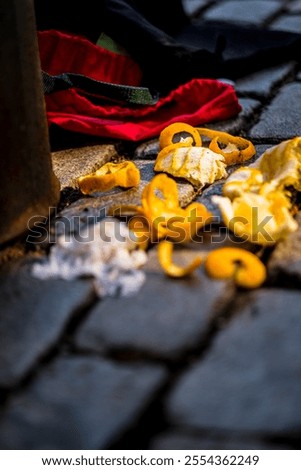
x,y
28,187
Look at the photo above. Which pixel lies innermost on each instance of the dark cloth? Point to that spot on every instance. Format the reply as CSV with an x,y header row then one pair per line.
x,y
170,48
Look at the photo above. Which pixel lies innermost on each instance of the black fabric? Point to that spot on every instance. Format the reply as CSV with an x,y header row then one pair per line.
x,y
169,48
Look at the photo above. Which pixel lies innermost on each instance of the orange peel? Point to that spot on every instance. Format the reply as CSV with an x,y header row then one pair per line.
x,y
178,133
165,251
160,214
244,267
234,149
124,174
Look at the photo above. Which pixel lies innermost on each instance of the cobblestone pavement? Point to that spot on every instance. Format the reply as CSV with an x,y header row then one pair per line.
x,y
183,364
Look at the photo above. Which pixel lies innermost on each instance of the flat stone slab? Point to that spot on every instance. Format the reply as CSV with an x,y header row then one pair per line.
x,y
236,11
282,118
34,314
294,6
241,121
70,164
261,84
164,319
290,23
78,403
249,381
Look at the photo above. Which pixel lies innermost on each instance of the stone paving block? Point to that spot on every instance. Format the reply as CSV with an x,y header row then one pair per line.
x,y
285,260
188,440
291,23
281,119
249,381
241,121
166,318
191,7
34,314
294,6
237,11
78,403
261,84
70,164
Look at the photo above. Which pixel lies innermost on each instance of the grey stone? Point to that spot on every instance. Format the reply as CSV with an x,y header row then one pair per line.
x,y
72,163
164,319
192,7
281,119
184,439
285,260
291,23
78,403
236,11
294,6
249,380
34,314
148,150
261,84
241,121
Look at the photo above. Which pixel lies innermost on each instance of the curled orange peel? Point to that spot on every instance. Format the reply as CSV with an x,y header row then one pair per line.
x,y
165,251
178,133
244,267
161,216
233,149
110,175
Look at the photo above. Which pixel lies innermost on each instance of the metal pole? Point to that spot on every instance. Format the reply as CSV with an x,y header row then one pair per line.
x,y
28,187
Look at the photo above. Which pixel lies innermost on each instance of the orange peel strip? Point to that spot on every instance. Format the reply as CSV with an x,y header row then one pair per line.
x,y
244,267
236,149
110,175
180,133
165,251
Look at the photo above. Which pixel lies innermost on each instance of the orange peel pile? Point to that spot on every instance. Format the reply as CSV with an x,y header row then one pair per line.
x,y
109,176
160,215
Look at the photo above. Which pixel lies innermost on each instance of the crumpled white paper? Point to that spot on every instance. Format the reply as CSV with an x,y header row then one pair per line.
x,y
105,251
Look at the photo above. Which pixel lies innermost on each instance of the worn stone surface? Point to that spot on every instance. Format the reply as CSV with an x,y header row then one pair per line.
x,y
243,120
78,403
294,6
186,439
247,381
72,163
281,119
166,317
285,260
291,23
192,7
262,83
147,150
34,314
236,11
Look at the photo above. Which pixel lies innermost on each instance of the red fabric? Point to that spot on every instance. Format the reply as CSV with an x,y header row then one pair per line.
x,y
197,102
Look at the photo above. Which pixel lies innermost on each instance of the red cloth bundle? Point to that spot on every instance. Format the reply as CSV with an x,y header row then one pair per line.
x,y
196,102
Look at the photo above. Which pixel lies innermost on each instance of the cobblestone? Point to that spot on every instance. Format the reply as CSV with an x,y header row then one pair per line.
x,y
78,403
241,383
291,23
236,11
33,317
281,119
165,318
